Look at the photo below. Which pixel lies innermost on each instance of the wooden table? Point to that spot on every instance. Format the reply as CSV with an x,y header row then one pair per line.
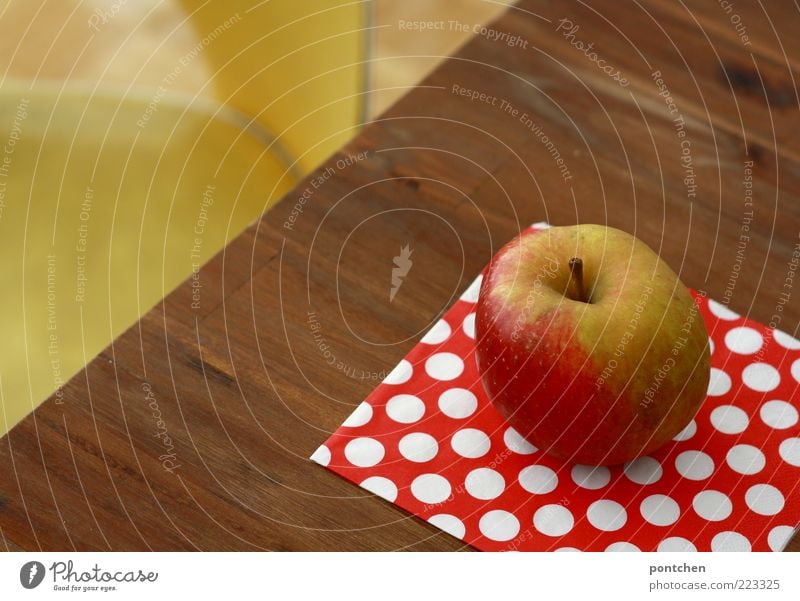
x,y
193,429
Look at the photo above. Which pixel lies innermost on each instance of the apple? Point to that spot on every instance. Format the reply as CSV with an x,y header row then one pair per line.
x,y
589,345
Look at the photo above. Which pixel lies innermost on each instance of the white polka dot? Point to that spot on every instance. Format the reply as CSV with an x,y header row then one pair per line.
x,y
719,382
712,505
431,488
553,520
731,542
785,340
729,419
761,377
644,470
778,537
590,477
721,311
458,403
745,459
685,434
622,547
444,366
405,408
764,499
383,487
469,325
567,550
538,479
322,455
470,443
359,417
516,443
418,447
778,414
710,346
743,340
790,451
485,483
498,525
471,294
694,465
449,523
606,515
675,544
796,370
400,374
660,510
364,452
438,333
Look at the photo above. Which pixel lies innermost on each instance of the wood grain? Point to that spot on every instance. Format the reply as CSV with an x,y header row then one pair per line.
x,y
241,386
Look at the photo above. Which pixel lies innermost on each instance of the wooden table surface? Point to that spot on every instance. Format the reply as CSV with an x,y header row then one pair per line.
x,y
193,429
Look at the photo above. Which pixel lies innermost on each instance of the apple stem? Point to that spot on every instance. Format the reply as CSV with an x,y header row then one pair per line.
x,y
576,269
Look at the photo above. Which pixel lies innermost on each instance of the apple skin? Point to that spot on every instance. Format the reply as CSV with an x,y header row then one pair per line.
x,y
599,382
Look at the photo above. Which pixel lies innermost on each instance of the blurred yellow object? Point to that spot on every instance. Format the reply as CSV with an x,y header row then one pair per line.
x,y
301,72
117,180
100,218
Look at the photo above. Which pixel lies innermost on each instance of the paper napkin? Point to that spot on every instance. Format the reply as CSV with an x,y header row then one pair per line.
x,y
428,439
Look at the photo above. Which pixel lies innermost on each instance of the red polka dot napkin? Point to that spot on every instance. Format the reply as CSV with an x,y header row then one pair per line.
x,y
429,440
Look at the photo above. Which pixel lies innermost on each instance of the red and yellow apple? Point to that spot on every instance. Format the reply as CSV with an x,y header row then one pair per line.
x,y
589,345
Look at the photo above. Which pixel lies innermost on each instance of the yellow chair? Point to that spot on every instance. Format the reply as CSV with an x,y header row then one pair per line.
x,y
137,140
